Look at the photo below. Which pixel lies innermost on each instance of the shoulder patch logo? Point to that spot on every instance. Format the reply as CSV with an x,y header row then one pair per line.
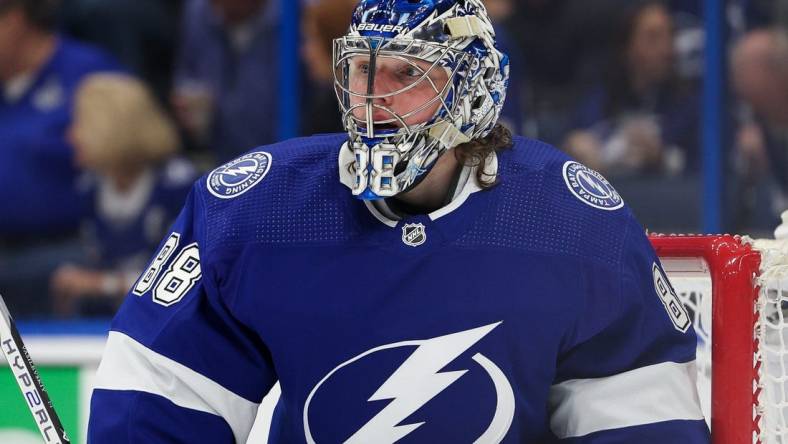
x,y
414,234
239,176
676,310
591,187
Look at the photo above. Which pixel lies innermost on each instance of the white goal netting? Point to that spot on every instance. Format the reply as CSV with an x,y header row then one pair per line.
x,y
772,333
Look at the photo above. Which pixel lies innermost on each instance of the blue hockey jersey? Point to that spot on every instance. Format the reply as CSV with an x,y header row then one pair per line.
x,y
534,312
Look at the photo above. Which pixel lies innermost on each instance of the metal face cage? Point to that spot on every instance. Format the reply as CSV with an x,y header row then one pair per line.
x,y
372,74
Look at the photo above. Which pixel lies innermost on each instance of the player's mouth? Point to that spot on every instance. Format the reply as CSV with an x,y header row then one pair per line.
x,y
386,127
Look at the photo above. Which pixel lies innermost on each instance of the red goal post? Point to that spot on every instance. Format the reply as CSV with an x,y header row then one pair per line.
x,y
732,370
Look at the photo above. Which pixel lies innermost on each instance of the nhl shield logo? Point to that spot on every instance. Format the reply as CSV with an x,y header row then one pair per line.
x,y
414,234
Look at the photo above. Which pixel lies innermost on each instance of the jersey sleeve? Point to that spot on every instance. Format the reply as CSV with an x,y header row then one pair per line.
x,y
178,366
628,374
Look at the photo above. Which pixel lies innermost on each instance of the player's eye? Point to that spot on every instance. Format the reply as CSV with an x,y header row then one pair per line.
x,y
359,67
411,72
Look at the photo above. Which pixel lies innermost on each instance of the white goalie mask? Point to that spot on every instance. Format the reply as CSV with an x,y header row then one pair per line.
x,y
414,79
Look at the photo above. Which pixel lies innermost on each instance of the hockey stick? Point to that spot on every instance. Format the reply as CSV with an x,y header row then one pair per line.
x,y
28,380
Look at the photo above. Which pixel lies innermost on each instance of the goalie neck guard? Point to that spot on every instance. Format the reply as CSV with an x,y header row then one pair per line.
x,y
415,78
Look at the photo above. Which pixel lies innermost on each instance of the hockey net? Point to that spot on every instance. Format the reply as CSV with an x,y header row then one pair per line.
x,y
736,290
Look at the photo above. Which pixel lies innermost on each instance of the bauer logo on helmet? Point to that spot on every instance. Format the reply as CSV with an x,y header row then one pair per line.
x,y
382,28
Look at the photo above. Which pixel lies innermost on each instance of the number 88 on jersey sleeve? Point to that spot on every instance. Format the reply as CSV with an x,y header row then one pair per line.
x,y
182,274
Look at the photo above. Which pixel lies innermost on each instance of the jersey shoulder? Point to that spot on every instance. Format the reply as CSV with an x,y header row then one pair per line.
x,y
576,187
281,193
552,204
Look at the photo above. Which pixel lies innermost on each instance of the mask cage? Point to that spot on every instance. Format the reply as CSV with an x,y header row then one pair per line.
x,y
360,104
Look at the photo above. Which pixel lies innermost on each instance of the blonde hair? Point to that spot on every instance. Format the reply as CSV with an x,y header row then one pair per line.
x,y
118,122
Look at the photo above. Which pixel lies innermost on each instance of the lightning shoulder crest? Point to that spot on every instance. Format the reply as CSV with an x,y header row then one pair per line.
x,y
264,195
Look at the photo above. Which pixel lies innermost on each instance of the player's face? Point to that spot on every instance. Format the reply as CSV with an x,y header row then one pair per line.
x,y
411,89
650,49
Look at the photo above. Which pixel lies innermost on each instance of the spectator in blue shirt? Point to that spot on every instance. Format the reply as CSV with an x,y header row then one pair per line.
x,y
39,72
39,210
133,190
226,76
642,118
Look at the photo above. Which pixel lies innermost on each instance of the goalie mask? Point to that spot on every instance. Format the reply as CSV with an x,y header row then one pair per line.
x,y
414,78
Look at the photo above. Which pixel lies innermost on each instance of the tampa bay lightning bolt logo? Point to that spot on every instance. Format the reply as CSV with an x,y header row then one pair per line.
x,y
591,187
239,176
418,384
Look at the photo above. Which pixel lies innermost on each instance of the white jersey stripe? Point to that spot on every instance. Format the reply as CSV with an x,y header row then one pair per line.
x,y
657,393
129,365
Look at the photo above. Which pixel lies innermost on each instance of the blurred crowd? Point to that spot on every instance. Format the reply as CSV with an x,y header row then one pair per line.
x,y
110,109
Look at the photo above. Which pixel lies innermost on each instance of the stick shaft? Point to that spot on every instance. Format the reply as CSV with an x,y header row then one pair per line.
x,y
26,376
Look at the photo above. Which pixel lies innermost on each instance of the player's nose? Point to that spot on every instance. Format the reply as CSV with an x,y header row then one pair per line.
x,y
382,89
